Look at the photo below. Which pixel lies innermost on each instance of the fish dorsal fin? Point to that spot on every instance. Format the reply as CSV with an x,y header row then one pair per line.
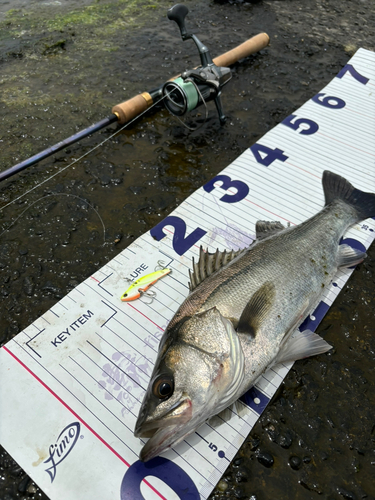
x,y
208,263
265,228
256,309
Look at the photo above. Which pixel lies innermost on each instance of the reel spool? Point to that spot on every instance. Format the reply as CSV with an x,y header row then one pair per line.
x,y
197,86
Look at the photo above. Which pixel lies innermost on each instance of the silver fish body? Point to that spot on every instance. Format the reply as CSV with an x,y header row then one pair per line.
x,y
241,313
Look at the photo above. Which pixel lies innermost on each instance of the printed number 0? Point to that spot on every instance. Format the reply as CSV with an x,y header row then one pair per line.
x,y
165,470
313,126
242,188
329,101
181,244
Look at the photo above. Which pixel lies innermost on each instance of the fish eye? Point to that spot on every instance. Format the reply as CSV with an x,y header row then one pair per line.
x,y
163,387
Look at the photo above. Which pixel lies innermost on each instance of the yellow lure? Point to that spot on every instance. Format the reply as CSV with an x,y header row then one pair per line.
x,y
140,286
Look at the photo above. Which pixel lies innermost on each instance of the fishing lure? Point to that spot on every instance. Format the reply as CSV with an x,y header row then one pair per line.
x,y
140,286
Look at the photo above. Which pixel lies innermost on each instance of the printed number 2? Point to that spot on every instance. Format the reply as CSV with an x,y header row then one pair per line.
x,y
270,155
181,244
313,126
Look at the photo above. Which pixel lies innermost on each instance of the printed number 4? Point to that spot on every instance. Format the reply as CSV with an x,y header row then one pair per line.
x,y
265,155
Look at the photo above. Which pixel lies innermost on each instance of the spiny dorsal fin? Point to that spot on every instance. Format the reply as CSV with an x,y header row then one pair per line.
x,y
209,263
265,228
256,309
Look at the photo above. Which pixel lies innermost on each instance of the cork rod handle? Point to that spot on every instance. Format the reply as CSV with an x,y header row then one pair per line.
x,y
252,45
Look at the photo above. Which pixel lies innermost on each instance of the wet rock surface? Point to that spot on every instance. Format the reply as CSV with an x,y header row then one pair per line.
x,y
63,66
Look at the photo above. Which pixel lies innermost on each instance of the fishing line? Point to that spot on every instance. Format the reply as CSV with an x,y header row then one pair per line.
x,y
193,129
83,156
86,154
56,194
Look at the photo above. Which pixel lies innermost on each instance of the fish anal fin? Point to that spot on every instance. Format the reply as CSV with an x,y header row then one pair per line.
x,y
348,256
265,228
209,263
301,345
256,309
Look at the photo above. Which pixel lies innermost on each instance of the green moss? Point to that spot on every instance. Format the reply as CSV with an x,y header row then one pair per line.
x,y
17,20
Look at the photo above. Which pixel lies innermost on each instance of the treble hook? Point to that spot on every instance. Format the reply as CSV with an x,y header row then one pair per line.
x,y
150,293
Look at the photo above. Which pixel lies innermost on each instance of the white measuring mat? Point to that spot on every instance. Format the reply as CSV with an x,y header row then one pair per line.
x,y
73,381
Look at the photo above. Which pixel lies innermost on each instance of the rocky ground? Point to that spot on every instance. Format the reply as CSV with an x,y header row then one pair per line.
x,y
63,65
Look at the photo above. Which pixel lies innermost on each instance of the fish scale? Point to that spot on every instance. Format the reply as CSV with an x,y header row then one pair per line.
x,y
242,316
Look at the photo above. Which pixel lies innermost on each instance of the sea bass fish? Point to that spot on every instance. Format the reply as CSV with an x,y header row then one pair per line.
x,y
242,315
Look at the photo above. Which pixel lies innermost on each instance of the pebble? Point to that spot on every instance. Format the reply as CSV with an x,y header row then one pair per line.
x,y
222,485
265,459
295,462
32,489
254,443
22,487
105,180
348,495
28,285
285,440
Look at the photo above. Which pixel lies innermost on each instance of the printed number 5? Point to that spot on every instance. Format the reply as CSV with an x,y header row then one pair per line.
x,y
313,126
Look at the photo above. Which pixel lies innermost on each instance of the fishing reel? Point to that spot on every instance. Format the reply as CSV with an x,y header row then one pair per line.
x,y
196,86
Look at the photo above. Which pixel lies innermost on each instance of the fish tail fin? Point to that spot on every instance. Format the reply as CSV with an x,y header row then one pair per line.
x,y
337,187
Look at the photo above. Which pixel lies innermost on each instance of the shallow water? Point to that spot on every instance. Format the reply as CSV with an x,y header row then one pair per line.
x,y
63,66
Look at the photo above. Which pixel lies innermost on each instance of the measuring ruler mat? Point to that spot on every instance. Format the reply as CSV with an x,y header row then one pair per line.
x,y
73,381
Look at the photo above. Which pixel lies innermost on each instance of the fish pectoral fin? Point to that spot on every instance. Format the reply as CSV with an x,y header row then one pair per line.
x,y
301,345
265,228
348,256
256,309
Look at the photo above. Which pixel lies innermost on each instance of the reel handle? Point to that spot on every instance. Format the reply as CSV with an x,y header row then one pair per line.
x,y
178,13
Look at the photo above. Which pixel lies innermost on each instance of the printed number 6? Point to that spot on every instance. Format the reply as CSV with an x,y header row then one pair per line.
x,y
242,188
313,126
329,101
181,244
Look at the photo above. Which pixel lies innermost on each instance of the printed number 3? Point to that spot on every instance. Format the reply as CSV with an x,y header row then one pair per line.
x,y
241,187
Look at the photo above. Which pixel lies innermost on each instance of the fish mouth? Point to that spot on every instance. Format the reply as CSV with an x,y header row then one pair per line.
x,y
165,431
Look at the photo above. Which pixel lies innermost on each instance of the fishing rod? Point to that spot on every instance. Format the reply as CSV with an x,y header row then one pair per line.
x,y
180,94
